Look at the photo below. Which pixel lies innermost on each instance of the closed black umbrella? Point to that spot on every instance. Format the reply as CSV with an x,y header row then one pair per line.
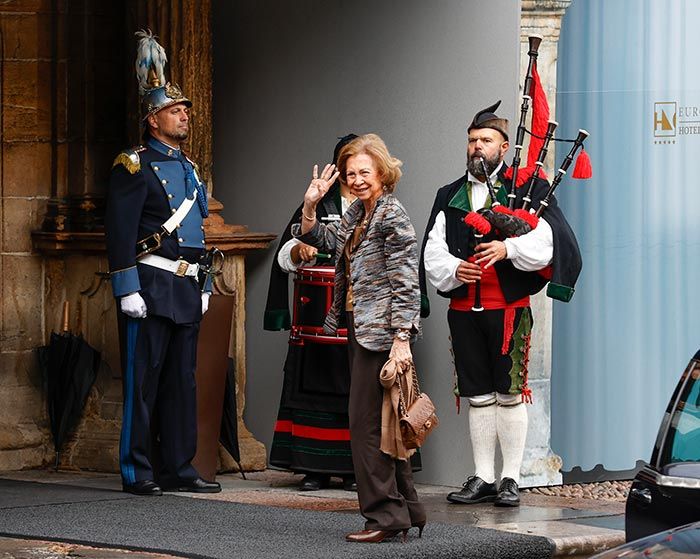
x,y
228,437
69,365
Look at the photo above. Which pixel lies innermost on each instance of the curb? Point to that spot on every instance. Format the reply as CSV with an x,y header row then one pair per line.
x,y
585,546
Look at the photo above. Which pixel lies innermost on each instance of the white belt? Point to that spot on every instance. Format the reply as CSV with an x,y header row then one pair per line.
x,y
180,268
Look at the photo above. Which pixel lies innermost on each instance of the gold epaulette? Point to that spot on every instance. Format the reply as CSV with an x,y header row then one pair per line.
x,y
130,159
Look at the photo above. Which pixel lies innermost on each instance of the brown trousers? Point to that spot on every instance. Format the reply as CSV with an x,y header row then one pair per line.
x,y
388,499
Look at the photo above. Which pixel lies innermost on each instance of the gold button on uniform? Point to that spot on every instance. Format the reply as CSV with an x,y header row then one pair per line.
x,y
170,195
164,181
156,168
172,210
180,239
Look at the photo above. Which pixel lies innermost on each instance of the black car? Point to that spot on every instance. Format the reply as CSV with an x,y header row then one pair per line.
x,y
666,492
678,543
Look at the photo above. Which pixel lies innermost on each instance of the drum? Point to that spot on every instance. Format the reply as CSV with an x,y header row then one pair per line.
x,y
313,297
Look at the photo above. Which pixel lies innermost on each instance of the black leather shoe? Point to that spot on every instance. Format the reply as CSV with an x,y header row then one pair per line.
x,y
197,486
508,495
146,488
314,482
349,483
474,490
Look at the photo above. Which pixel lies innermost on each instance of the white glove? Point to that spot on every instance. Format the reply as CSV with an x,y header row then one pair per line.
x,y
205,302
133,305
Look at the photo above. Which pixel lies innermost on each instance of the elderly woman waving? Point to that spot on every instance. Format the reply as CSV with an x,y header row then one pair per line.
x,y
376,284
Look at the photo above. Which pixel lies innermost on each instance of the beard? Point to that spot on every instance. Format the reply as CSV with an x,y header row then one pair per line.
x,y
475,168
180,136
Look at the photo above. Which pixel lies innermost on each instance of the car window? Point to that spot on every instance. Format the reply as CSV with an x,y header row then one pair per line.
x,y
684,434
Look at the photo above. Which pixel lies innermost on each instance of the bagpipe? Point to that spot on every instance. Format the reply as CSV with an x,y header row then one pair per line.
x,y
507,221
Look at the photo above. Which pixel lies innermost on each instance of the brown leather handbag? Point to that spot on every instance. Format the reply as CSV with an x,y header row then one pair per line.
x,y
418,419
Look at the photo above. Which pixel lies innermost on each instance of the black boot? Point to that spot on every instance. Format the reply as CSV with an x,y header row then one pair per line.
x,y
349,483
314,482
508,495
474,490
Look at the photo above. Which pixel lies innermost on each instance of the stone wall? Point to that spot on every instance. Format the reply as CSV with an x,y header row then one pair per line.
x,y
62,120
25,186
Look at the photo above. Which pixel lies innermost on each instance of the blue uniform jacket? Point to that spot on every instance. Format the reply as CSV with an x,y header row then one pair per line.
x,y
147,185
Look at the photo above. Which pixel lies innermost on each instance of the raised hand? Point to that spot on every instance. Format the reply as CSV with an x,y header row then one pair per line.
x,y
319,185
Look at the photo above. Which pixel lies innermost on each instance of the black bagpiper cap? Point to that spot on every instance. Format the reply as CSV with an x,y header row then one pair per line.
x,y
487,118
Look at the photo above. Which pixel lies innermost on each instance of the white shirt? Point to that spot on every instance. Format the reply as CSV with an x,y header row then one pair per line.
x,y
530,252
284,257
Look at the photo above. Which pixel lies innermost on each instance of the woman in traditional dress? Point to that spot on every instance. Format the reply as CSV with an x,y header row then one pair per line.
x,y
311,435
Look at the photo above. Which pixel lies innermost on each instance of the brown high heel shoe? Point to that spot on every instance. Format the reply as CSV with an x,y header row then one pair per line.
x,y
375,536
420,528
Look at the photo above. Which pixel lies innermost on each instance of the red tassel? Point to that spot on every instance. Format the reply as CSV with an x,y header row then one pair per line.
x,y
526,395
478,222
531,219
583,169
501,209
508,320
458,403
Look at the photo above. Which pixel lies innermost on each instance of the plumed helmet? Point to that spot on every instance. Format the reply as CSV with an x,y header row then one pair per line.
x,y
156,93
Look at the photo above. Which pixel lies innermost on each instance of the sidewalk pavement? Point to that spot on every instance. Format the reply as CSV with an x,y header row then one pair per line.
x,y
577,527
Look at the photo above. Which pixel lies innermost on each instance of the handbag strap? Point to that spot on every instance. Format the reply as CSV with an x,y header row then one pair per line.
x,y
414,373
402,401
403,410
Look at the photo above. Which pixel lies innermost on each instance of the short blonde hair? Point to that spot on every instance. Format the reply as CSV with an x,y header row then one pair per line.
x,y
388,167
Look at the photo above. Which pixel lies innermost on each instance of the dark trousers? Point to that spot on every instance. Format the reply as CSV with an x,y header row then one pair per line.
x,y
388,499
158,361
477,340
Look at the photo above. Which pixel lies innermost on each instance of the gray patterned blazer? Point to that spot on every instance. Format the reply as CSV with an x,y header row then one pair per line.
x,y
383,270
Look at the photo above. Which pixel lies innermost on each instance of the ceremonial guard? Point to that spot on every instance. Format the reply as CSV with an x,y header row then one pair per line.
x,y
157,259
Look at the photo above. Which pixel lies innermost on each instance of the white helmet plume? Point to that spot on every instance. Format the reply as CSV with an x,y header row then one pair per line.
x,y
149,53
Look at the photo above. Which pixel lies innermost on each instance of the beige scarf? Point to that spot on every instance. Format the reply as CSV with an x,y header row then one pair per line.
x,y
390,376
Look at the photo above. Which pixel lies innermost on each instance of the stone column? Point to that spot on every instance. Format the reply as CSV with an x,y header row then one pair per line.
x,y
540,465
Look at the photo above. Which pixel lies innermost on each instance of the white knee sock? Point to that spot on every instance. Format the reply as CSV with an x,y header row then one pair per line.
x,y
511,423
482,430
